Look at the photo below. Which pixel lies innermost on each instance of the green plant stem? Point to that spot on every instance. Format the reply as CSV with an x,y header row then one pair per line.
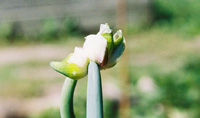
x,y
66,108
94,92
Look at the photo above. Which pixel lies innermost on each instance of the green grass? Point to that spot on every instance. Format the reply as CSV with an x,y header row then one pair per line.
x,y
47,113
18,80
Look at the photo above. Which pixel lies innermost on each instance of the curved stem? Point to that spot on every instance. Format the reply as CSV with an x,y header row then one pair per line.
x,y
66,108
94,92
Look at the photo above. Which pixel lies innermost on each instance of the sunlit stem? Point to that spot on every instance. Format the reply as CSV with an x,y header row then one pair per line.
x,y
66,108
94,92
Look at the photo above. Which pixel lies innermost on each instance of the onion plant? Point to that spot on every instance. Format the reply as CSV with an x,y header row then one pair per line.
x,y
99,51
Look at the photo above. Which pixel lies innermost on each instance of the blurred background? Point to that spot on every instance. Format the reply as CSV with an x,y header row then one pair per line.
x,y
158,76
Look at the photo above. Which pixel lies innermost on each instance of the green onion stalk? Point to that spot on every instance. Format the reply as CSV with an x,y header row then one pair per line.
x,y
66,107
94,92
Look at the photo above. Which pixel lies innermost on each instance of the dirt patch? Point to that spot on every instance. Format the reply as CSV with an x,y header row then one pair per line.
x,y
13,55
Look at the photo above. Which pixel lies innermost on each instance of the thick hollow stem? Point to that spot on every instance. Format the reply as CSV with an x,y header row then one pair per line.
x,y
94,92
66,108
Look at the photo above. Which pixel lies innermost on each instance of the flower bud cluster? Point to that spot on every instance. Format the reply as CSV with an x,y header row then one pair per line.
x,y
104,48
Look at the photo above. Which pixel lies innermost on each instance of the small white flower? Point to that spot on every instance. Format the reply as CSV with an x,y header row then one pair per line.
x,y
78,57
95,47
74,65
104,28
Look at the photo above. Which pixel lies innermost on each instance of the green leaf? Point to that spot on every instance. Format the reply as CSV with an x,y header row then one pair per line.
x,y
115,55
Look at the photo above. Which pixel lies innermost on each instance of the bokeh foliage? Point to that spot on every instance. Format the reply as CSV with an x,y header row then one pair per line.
x,y
180,15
